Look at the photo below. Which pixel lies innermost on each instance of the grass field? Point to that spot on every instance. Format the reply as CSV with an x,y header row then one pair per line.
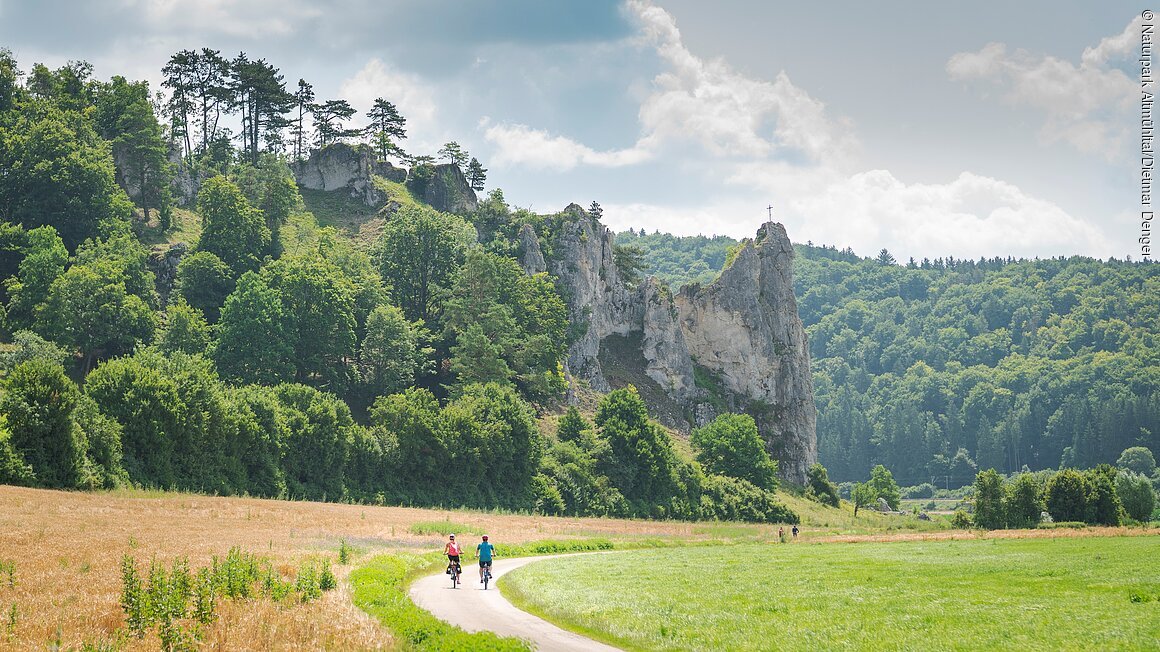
x,y
1032,594
64,551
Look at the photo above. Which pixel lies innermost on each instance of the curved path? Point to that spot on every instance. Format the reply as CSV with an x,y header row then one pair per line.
x,y
474,609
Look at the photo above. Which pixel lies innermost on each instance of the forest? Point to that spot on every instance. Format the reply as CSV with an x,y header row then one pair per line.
x,y
288,360
938,369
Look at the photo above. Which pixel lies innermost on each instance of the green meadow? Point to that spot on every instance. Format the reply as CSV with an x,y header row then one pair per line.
x,y
1097,593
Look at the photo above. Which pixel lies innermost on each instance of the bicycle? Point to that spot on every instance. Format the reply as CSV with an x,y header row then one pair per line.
x,y
453,571
486,576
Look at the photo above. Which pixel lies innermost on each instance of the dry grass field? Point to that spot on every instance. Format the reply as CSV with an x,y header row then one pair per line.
x,y
66,548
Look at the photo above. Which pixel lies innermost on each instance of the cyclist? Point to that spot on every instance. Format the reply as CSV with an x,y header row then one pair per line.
x,y
485,551
452,551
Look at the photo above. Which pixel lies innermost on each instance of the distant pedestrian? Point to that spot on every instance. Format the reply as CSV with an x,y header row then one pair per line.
x,y
781,534
795,531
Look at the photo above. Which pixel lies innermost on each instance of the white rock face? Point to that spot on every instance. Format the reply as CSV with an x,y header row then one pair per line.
x,y
532,258
745,328
338,167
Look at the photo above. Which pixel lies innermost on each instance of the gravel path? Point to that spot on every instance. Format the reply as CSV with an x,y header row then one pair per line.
x,y
474,609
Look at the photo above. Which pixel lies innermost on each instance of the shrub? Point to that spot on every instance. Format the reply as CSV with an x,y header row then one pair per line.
x,y
1066,496
989,507
1103,505
924,490
961,520
819,488
1024,502
1136,495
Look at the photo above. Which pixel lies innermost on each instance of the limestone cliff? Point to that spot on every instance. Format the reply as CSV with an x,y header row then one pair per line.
x,y
742,330
340,167
447,190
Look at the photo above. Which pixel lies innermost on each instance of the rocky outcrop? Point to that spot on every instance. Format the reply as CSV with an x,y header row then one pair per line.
x,y
164,263
663,343
341,167
597,298
744,328
531,257
447,190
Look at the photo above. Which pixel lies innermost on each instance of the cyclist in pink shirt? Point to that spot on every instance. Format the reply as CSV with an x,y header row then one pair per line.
x,y
452,551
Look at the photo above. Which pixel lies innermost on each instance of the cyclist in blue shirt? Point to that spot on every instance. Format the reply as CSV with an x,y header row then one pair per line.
x,y
485,551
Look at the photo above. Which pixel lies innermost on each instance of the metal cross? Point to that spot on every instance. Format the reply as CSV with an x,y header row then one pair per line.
x,y
770,209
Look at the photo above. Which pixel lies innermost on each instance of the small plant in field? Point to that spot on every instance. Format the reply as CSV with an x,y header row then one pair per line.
x,y
204,597
13,616
343,552
8,568
133,601
326,580
307,583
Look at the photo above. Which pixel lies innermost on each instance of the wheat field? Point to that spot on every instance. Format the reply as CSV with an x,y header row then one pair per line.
x,y
65,550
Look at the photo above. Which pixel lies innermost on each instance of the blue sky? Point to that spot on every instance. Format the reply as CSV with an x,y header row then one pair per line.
x,y
993,128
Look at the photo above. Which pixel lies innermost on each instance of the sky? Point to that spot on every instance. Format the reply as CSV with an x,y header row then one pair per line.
x,y
927,128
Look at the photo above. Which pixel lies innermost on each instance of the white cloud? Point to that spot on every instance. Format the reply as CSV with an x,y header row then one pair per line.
x,y
727,113
249,19
703,102
1086,105
414,99
522,145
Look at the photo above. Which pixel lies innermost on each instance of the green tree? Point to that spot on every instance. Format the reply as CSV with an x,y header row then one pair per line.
x,y
204,281
258,91
320,432
27,345
38,401
269,186
328,122
572,426
13,469
387,128
989,507
1136,495
232,230
475,358
882,481
124,116
453,153
185,330
1103,504
1024,501
819,487
641,462
731,446
304,102
409,426
57,171
418,254
862,495
1066,496
44,261
89,309
389,356
502,451
318,318
476,175
252,344
1137,459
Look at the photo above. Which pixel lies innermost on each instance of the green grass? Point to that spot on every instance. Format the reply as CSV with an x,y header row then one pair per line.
x,y
1028,594
380,589
444,528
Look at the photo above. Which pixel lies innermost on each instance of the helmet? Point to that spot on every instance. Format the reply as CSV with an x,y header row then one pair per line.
x,y
485,537
452,536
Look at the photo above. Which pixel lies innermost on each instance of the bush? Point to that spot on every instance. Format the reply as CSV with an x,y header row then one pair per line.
x,y
989,506
924,490
1103,505
961,520
1066,496
819,488
1024,503
733,499
1136,495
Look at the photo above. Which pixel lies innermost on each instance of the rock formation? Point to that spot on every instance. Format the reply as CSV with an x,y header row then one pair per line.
x,y
742,330
448,191
340,167
531,257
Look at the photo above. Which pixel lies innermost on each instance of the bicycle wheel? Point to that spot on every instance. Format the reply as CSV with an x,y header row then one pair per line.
x,y
486,577
454,576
